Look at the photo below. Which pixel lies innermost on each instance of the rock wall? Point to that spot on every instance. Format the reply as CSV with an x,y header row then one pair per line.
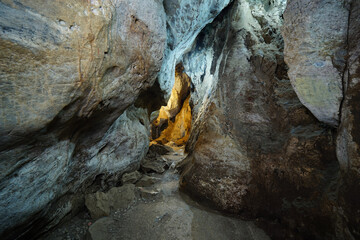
x,y
315,35
330,30
255,149
348,139
185,19
68,71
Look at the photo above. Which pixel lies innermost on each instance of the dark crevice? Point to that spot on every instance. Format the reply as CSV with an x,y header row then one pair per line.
x,y
346,72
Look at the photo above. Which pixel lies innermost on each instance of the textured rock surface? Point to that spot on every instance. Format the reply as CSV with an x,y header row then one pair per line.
x,y
68,70
101,204
54,173
315,35
185,19
173,123
132,177
171,215
348,140
254,148
100,230
71,71
53,54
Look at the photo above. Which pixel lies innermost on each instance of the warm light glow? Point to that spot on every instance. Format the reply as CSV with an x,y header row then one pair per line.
x,y
174,121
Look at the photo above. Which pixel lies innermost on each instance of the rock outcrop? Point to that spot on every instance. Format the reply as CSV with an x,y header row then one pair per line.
x,y
68,72
101,204
348,139
315,35
185,19
254,148
173,123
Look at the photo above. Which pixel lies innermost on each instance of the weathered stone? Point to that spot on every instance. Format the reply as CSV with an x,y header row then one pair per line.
x,y
156,164
185,20
177,132
75,58
148,192
132,177
254,148
147,181
315,35
173,216
174,121
160,149
102,204
348,139
100,229
68,71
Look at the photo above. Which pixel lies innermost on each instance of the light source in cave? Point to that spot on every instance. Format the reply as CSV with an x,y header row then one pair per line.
x,y
173,124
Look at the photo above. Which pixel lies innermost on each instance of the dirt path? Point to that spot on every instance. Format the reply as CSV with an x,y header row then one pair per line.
x,y
161,212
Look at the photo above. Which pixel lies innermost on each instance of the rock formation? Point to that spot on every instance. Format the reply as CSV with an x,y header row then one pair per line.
x,y
70,70
273,96
185,19
348,138
315,37
173,123
254,149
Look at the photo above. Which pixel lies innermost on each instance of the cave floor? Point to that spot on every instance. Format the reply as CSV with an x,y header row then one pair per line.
x,y
162,213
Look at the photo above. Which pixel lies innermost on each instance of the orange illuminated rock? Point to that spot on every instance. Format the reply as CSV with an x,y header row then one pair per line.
x,y
167,129
178,131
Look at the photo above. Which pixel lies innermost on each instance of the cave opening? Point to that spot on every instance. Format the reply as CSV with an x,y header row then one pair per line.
x,y
171,124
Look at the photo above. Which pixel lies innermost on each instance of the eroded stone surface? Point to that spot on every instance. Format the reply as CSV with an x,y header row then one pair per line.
x,y
54,54
254,148
68,72
173,123
56,171
101,204
132,177
315,35
348,139
185,20
101,230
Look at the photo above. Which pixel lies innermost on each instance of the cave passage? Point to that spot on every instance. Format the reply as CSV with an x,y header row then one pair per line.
x,y
173,122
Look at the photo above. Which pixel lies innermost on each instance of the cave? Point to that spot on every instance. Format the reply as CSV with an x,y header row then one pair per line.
x,y
172,123
147,119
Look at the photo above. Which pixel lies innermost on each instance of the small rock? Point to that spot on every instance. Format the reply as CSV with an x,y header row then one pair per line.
x,y
160,149
148,192
99,230
150,164
132,177
100,204
147,181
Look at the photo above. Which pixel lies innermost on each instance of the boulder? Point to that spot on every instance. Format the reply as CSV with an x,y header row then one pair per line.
x,y
147,181
132,177
156,164
99,230
315,36
101,204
